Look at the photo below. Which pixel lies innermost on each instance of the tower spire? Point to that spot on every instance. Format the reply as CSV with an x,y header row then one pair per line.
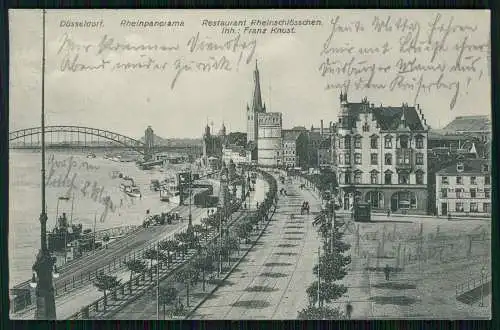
x,y
257,96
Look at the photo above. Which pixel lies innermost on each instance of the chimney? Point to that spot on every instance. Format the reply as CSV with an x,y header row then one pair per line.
x,y
321,129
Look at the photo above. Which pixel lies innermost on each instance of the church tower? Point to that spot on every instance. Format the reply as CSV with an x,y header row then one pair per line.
x,y
255,108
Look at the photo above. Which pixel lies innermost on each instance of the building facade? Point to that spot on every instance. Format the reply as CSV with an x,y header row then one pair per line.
x,y
464,189
149,140
295,148
382,156
269,142
213,144
235,153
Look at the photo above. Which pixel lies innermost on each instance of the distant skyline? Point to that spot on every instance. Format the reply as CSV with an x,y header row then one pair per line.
x,y
128,102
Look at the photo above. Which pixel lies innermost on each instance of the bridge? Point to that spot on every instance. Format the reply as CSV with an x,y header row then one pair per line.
x,y
87,137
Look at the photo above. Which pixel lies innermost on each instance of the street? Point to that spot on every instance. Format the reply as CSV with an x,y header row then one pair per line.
x,y
271,281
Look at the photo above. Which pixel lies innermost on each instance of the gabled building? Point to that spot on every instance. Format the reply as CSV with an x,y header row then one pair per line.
x,y
382,156
464,189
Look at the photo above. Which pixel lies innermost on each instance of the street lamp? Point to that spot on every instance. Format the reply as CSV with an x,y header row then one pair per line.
x,y
483,271
44,264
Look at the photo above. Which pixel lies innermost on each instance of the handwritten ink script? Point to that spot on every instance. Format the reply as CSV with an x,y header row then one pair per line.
x,y
436,55
65,173
196,54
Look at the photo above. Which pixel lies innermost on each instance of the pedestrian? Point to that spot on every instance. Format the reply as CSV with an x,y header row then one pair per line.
x,y
348,310
121,202
388,213
387,270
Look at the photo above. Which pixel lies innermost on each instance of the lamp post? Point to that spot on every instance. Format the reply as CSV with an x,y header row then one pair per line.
x,y
483,271
43,266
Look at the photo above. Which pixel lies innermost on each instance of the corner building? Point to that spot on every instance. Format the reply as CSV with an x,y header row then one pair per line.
x,y
381,156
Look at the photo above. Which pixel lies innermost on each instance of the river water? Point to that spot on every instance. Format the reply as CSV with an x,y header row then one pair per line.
x,y
88,181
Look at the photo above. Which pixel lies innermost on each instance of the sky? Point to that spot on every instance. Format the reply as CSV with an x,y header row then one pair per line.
x,y
127,101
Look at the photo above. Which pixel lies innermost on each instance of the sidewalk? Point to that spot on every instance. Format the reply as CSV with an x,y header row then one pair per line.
x,y
271,281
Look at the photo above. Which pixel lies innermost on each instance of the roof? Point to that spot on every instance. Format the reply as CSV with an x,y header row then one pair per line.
x,y
469,123
291,135
471,166
298,128
388,118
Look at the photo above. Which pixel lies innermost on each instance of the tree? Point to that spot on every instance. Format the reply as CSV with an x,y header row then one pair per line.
x,y
243,230
169,246
205,264
320,313
167,296
152,254
199,230
135,266
237,138
229,244
188,275
104,283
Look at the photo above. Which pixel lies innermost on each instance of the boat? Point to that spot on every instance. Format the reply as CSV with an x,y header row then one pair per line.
x,y
91,155
133,191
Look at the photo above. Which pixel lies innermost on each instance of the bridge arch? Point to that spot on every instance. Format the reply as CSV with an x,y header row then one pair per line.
x,y
111,136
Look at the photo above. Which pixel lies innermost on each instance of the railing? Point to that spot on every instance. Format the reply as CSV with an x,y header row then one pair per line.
x,y
84,313
471,284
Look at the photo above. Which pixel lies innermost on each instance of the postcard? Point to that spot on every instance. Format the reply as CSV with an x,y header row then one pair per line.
x,y
250,164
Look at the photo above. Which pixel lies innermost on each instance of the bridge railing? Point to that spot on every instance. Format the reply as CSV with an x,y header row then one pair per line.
x,y
472,283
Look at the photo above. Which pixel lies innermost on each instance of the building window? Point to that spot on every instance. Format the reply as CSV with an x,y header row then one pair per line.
x,y
357,142
460,180
486,168
444,193
357,177
341,177
486,207
444,180
375,198
341,143
341,159
388,178
487,180
473,207
459,207
374,142
388,142
419,158
472,193
487,193
460,167
404,178
459,193
347,177
348,159
473,180
373,177
357,158
419,177
366,127
374,159
388,159
419,142
404,157
403,142
347,142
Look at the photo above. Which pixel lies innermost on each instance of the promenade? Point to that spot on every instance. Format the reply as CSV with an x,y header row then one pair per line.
x,y
271,281
144,308
73,287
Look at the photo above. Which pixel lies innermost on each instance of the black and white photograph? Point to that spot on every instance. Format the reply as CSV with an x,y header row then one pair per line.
x,y
249,164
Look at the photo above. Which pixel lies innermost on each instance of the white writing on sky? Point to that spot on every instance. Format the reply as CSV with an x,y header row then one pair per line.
x,y
430,56
196,54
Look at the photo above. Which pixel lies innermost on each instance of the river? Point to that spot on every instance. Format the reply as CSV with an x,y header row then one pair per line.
x,y
65,169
